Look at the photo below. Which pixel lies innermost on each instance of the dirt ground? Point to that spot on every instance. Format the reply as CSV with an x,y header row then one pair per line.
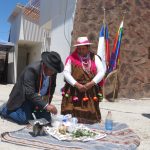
x,y
135,113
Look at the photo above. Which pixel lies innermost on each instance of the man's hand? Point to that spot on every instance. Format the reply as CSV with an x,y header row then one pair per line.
x,y
51,108
89,85
80,87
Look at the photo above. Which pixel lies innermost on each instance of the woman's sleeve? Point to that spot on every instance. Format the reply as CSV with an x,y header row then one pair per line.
x,y
67,74
101,69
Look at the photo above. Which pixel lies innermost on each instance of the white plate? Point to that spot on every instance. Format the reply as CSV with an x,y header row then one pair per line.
x,y
53,131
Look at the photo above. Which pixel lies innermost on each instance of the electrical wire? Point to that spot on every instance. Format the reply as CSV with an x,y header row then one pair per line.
x,y
65,24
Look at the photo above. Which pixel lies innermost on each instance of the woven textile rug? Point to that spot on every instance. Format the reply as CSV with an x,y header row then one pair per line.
x,y
121,138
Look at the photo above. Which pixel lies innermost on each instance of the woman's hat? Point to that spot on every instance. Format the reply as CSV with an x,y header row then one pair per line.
x,y
53,61
82,41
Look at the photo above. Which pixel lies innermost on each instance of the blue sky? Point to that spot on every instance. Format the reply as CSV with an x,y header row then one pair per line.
x,y
6,8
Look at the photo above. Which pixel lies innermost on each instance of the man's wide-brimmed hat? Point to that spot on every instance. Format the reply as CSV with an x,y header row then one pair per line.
x,y
53,61
82,41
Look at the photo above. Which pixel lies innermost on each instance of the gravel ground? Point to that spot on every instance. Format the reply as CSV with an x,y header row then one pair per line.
x,y
135,113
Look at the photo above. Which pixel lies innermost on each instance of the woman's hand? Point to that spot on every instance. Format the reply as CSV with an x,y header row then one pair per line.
x,y
89,85
80,87
51,108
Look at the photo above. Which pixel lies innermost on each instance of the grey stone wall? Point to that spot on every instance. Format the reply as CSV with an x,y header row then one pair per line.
x,y
134,75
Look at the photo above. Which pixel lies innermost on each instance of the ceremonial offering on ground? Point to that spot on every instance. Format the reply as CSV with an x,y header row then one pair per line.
x,y
68,129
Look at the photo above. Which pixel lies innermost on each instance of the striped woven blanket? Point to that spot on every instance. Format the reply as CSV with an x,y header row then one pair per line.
x,y
121,138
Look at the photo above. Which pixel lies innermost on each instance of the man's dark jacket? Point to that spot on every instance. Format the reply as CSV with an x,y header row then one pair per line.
x,y
27,88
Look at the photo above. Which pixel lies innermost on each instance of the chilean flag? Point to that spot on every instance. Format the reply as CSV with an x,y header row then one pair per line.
x,y
103,46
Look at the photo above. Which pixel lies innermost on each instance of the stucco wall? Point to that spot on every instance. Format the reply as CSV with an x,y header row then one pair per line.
x,y
134,75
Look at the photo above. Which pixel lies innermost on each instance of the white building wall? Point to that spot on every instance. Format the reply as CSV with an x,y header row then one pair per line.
x,y
58,16
10,75
14,37
24,30
35,53
15,29
60,45
21,61
32,31
27,55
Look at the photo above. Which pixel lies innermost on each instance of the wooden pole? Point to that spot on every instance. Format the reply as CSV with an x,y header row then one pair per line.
x,y
104,23
118,70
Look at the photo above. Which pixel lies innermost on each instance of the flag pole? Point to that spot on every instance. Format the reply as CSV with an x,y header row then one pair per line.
x,y
104,23
118,65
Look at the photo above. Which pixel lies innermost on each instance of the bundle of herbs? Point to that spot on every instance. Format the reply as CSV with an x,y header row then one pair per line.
x,y
83,132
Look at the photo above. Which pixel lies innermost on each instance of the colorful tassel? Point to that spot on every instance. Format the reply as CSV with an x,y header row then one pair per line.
x,y
66,95
75,98
85,99
95,98
100,95
63,93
